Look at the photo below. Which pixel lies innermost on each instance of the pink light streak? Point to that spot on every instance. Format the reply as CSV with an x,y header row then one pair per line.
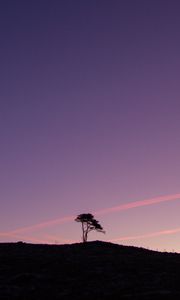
x,y
148,235
42,225
15,233
113,209
140,203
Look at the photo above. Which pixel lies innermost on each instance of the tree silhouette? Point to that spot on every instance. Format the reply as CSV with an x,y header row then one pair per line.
x,y
88,224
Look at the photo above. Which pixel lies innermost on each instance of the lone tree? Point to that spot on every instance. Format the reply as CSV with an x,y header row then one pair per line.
x,y
88,224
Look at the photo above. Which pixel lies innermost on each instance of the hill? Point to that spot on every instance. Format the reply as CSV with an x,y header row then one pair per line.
x,y
95,270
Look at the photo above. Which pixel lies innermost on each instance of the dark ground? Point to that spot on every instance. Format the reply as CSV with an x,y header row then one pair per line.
x,y
95,270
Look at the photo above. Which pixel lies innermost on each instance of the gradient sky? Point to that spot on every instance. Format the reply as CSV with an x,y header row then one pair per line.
x,y
90,119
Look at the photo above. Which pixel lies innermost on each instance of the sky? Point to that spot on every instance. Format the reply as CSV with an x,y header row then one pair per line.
x,y
89,120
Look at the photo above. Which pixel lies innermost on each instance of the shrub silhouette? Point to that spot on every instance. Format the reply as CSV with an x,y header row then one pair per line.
x,y
88,224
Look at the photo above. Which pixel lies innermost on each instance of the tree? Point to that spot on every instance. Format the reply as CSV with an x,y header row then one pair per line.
x,y
88,224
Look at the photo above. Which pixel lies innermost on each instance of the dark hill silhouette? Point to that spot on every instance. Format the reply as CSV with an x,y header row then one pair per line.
x,y
92,270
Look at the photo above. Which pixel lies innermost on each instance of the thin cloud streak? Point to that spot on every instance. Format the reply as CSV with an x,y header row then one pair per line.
x,y
105,211
140,203
42,225
148,235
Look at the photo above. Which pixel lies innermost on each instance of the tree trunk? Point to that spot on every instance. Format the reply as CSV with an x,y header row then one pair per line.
x,y
84,236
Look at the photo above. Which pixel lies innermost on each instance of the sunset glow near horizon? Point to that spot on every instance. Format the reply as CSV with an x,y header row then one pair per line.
x,y
89,121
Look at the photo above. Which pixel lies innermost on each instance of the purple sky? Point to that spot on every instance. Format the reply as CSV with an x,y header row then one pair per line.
x,y
90,118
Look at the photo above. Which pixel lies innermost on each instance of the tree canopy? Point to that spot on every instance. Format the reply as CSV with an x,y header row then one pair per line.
x,y
88,224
